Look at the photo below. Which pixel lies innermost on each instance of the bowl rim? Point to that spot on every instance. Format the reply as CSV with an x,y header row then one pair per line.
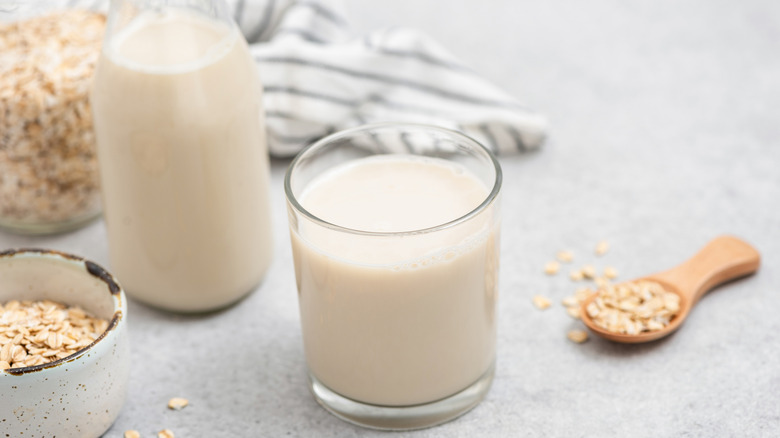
x,y
91,268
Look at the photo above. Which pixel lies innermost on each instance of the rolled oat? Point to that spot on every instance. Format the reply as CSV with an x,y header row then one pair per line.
x,y
573,311
633,307
38,332
574,302
177,403
541,302
602,248
578,336
565,256
551,268
588,271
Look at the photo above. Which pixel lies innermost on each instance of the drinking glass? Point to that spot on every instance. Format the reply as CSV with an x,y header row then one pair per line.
x,y
399,327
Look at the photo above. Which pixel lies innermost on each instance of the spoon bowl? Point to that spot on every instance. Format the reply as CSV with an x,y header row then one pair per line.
x,y
723,259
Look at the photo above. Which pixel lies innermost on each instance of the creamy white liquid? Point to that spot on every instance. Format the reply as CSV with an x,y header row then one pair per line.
x,y
183,161
397,320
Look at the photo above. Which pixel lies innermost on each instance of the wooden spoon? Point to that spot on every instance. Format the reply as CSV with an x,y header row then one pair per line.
x,y
723,259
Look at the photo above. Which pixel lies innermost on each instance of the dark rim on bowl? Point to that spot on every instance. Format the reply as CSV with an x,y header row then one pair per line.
x,y
93,269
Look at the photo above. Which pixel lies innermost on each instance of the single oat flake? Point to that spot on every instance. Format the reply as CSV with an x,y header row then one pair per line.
x,y
177,403
551,268
165,433
588,271
610,272
132,434
602,248
541,302
573,311
578,336
570,301
565,256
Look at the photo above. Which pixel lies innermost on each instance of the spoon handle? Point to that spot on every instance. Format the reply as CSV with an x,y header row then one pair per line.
x,y
723,259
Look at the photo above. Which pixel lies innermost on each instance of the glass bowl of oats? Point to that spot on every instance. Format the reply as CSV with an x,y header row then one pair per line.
x,y
64,359
48,168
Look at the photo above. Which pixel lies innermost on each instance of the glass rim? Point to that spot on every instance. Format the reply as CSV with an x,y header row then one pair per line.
x,y
323,142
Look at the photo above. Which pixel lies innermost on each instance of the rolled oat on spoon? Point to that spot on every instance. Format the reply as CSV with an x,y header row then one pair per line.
x,y
652,307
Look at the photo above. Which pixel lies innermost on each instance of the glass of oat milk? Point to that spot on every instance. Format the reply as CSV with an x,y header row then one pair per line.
x,y
182,154
395,238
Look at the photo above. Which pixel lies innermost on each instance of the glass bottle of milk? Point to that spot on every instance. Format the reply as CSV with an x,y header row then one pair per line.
x,y
182,153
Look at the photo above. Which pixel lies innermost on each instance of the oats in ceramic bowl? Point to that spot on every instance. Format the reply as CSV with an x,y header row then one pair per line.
x,y
61,307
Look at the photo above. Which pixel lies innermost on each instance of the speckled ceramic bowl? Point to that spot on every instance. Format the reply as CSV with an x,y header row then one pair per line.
x,y
80,395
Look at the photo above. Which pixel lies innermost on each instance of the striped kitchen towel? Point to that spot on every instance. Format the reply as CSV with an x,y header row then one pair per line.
x,y
319,77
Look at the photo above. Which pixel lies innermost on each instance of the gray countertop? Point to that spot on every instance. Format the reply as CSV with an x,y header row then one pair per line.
x,y
665,128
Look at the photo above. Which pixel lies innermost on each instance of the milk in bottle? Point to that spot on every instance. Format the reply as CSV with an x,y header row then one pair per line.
x,y
183,159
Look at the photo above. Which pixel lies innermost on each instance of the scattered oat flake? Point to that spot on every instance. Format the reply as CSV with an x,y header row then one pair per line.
x,y
588,271
601,281
578,336
541,302
565,256
602,247
551,268
132,434
610,272
165,433
576,275
570,301
573,311
177,403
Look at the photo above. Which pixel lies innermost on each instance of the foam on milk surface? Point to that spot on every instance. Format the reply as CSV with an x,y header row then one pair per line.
x,y
393,193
